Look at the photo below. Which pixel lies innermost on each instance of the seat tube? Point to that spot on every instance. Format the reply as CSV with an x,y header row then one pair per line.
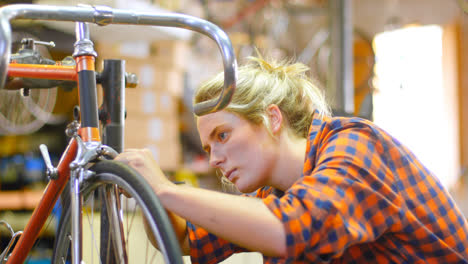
x,y
113,106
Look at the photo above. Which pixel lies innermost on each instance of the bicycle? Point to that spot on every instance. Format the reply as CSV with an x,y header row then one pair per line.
x,y
85,163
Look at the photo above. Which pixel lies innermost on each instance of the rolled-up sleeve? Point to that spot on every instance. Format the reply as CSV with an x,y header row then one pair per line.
x,y
208,248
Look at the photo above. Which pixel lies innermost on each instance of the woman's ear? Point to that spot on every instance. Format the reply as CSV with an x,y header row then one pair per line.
x,y
276,118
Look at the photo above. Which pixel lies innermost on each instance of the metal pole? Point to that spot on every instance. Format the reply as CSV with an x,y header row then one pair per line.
x,y
113,116
340,79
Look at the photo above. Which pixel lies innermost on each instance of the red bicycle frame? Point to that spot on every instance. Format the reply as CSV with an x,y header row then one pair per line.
x,y
54,187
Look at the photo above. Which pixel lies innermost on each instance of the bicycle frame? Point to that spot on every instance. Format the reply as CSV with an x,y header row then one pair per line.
x,y
86,143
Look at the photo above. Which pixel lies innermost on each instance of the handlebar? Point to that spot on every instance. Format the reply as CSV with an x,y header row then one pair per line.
x,y
102,15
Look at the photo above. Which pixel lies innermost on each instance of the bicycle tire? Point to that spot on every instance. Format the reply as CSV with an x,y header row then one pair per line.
x,y
116,173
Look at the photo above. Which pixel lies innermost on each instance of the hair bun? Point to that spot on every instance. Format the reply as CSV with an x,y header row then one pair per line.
x,y
284,69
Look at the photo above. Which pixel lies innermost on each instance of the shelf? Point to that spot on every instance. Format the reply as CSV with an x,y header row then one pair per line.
x,y
19,219
20,200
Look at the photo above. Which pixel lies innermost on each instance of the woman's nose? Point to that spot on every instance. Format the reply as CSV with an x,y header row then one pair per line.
x,y
216,159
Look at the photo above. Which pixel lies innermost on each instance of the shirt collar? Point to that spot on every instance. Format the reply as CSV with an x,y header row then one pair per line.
x,y
316,125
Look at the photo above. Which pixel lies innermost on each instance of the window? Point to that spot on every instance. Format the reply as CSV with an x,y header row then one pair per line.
x,y
415,100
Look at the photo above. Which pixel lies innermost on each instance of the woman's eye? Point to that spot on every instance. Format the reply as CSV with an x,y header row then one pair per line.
x,y
222,135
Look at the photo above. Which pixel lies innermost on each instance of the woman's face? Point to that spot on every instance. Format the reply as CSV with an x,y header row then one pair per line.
x,y
244,152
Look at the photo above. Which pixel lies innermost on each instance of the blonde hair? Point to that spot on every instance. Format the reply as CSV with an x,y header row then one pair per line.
x,y
261,83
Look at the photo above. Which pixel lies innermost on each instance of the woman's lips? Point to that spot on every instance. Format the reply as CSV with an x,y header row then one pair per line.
x,y
229,174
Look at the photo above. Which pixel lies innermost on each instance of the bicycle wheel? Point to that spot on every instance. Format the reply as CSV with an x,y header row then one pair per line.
x,y
21,114
144,203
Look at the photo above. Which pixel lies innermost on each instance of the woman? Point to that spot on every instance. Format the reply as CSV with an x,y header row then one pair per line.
x,y
327,189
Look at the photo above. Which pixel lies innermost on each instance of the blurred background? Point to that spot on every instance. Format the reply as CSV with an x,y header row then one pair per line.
x,y
400,63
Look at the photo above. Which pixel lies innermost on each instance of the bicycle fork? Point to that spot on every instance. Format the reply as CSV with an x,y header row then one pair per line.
x,y
110,197
86,153
76,205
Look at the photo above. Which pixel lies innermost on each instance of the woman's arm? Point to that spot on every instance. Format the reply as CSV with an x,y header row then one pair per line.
x,y
244,221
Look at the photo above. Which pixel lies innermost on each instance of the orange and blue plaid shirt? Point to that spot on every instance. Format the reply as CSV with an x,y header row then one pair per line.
x,y
363,198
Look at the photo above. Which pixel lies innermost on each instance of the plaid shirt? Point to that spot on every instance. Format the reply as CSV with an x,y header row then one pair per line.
x,y
363,198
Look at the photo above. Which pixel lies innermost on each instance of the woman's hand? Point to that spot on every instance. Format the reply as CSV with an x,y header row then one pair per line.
x,y
142,160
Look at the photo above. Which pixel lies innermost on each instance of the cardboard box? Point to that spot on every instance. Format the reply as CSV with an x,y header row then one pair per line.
x,y
153,72
123,50
160,135
149,102
141,128
168,156
168,54
156,78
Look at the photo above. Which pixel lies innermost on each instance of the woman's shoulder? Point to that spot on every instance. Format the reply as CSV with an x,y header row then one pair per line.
x,y
331,127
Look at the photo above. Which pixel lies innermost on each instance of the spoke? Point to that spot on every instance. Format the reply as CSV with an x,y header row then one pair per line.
x,y
90,222
134,209
131,221
98,248
154,256
146,255
109,241
126,212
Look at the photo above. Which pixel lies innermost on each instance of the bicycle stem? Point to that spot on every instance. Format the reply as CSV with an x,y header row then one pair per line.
x,y
102,15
